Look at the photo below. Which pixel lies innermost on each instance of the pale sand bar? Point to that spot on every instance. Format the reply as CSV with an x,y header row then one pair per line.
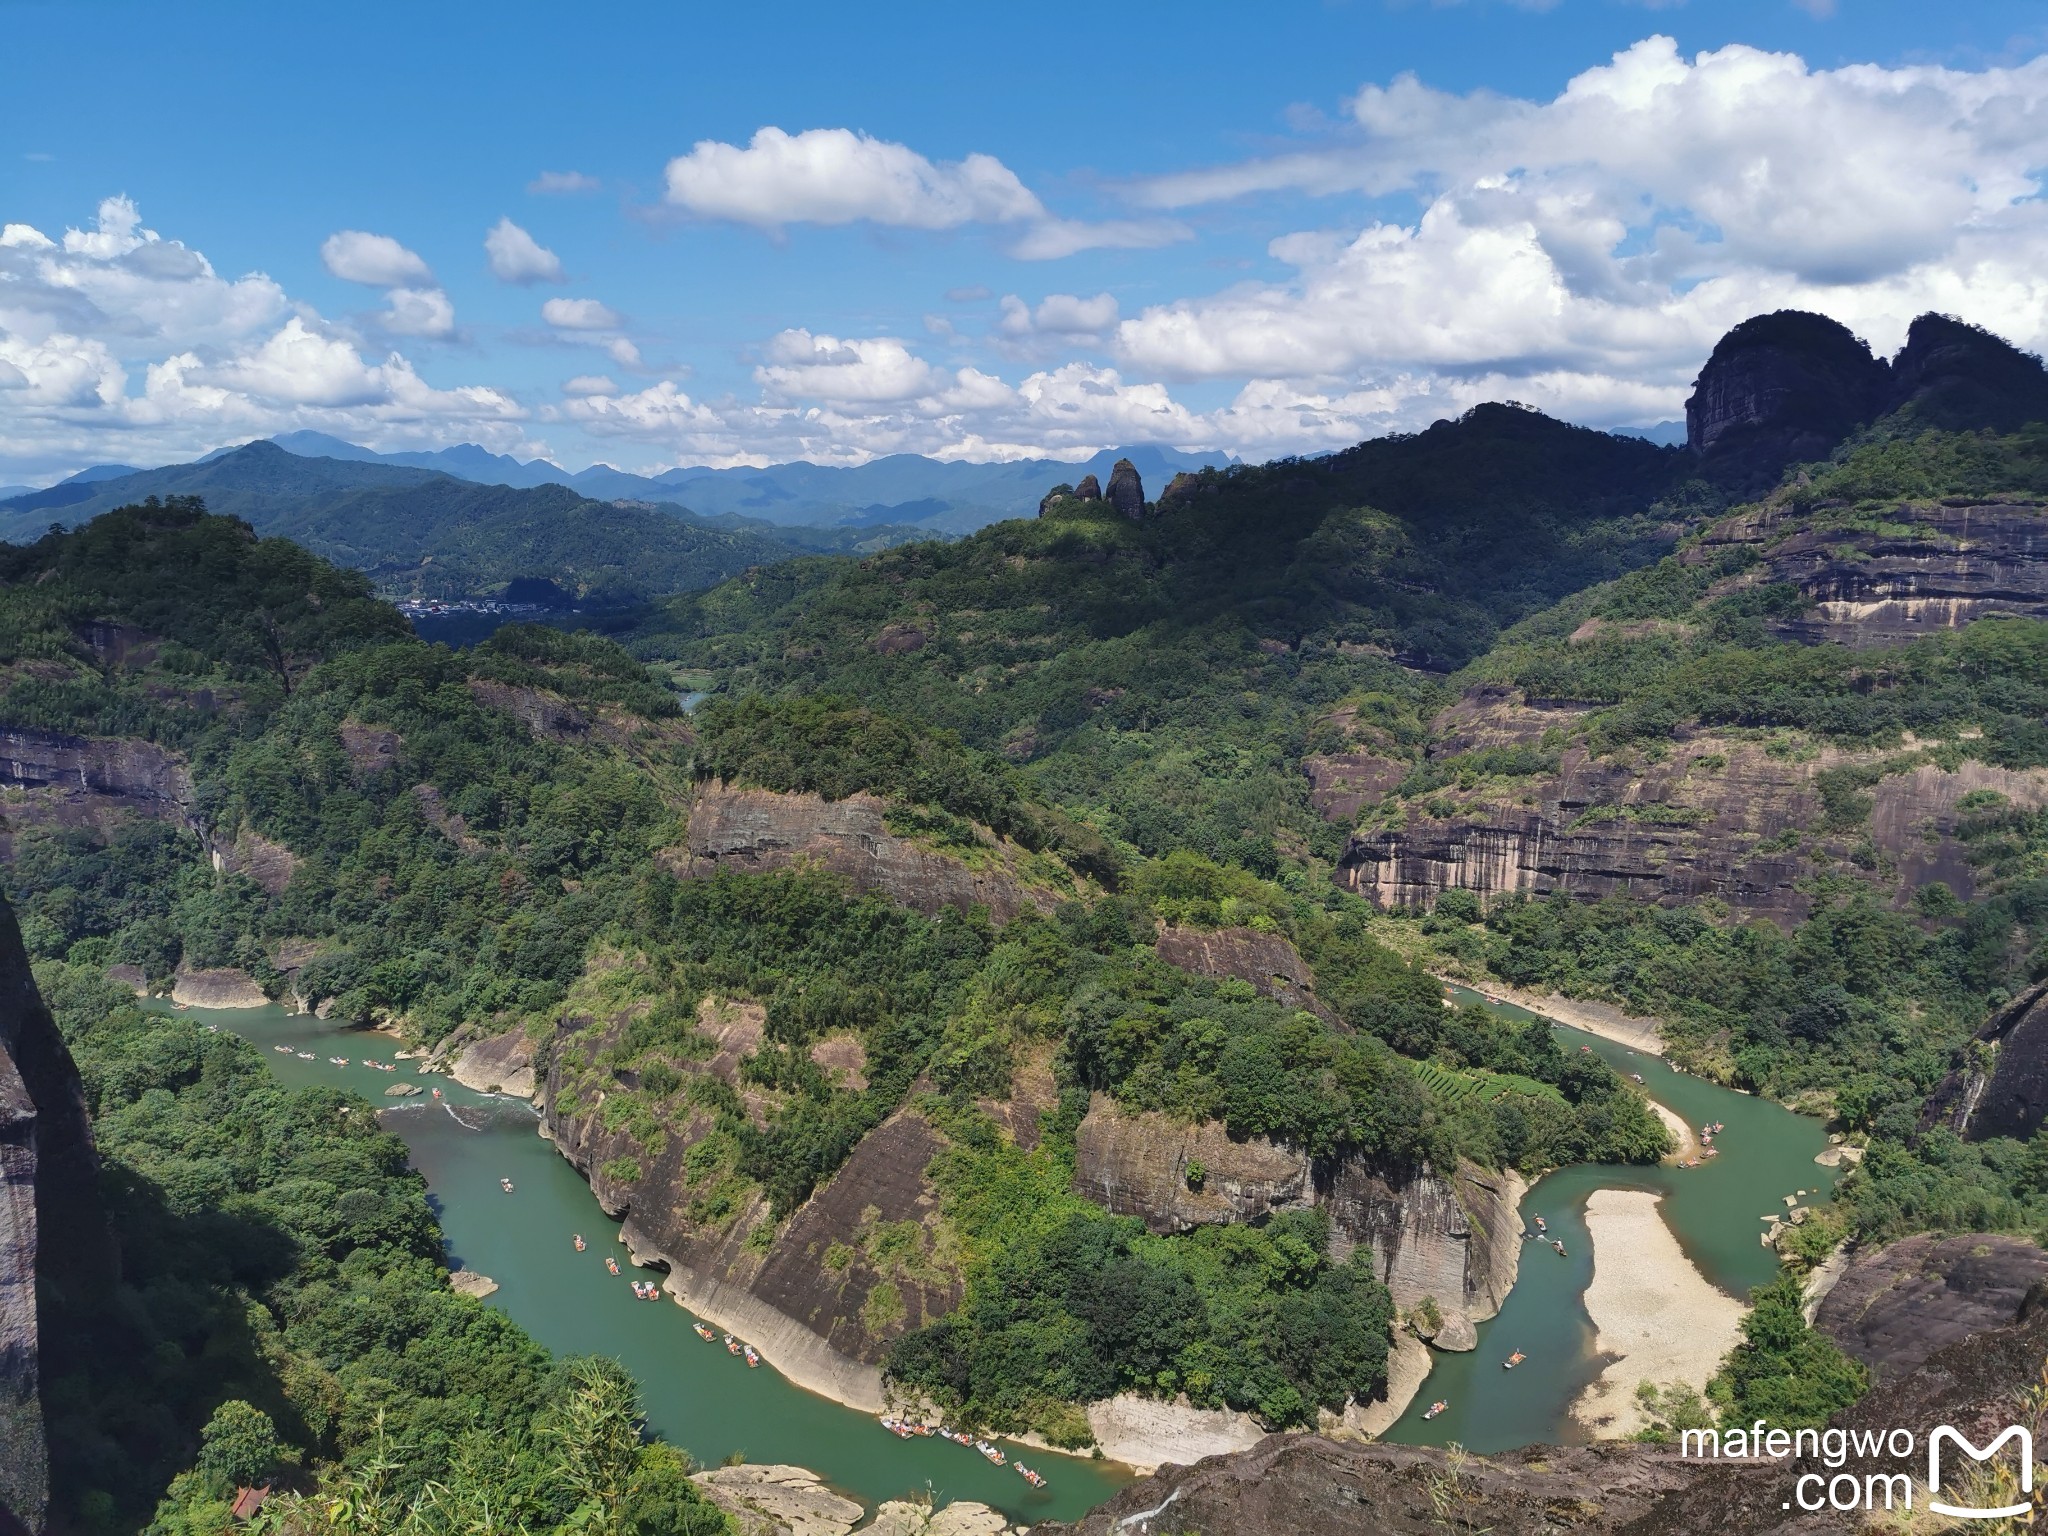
x,y
1653,1313
1681,1133
1602,1019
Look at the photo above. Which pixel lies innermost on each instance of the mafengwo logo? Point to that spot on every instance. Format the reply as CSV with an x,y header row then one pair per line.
x,y
1981,1483
1943,1434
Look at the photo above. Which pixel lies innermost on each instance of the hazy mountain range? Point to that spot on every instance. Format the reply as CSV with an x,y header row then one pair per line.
x,y
903,490
462,522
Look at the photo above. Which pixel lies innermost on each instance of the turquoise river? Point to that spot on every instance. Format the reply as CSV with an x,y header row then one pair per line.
x,y
705,1400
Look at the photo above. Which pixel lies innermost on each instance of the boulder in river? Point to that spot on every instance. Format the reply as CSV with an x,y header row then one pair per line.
x,y
501,1064
467,1282
1456,1332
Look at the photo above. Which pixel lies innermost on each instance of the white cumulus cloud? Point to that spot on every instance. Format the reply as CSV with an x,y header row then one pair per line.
x,y
516,257
418,312
118,344
579,315
1584,252
1058,314
376,261
836,176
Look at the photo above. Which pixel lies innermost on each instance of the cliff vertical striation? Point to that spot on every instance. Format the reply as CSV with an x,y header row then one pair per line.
x,y
53,1230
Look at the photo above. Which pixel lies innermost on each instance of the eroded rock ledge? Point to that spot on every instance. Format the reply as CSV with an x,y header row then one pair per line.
x,y
753,831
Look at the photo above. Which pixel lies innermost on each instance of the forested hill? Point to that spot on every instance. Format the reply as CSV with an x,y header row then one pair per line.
x,y
1139,824
1162,672
417,532
226,754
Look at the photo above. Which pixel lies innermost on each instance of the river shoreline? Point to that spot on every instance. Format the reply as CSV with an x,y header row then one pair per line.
x,y
1656,1318
1602,1019
1687,1144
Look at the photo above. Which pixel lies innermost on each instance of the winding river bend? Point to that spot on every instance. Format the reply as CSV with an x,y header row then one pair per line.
x,y
707,1401
697,1396
1766,1152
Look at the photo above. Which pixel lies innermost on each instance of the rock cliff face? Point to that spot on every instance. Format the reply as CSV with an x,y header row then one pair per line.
x,y
752,831
1265,960
1718,816
222,988
1894,1306
51,779
500,1064
1456,1240
1787,387
1297,1483
848,1273
2002,1090
1923,568
1138,1165
52,1226
1777,389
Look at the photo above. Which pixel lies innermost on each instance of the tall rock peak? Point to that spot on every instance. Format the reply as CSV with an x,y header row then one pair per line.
x,y
1780,388
1126,491
1960,377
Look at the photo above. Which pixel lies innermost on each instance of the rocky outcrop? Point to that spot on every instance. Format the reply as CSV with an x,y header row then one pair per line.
x,y
2001,1089
1455,1240
224,987
83,781
1267,961
1892,1307
1090,489
1341,784
1297,1483
1787,387
1181,486
269,864
1126,492
134,773
779,1501
752,831
370,749
1922,568
900,1517
1958,376
1147,1433
467,1282
850,1271
55,1245
1144,1165
500,1064
1778,389
1715,816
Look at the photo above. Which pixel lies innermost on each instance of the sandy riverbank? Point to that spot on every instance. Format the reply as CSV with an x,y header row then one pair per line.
x,y
1654,1315
1681,1133
1602,1019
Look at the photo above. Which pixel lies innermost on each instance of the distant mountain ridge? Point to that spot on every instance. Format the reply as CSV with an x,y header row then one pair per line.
x,y
945,496
422,533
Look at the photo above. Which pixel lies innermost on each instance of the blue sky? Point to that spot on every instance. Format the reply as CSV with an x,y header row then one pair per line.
x,y
830,232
